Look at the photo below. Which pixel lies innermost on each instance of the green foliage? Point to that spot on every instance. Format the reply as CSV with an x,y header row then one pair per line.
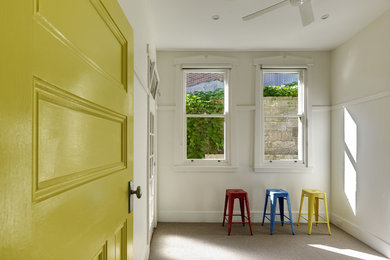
x,y
209,102
205,135
287,90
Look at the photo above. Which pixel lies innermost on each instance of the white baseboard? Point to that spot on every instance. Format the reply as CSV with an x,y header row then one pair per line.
x,y
212,216
147,252
365,236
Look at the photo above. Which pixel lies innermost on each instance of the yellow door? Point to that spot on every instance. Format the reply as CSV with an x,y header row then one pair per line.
x,y
66,130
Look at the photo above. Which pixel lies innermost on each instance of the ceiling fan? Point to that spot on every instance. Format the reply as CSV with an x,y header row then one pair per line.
x,y
305,10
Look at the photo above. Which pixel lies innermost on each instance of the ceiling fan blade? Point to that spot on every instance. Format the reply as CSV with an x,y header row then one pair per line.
x,y
306,11
265,10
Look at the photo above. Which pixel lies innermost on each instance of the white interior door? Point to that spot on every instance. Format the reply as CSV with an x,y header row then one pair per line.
x,y
152,166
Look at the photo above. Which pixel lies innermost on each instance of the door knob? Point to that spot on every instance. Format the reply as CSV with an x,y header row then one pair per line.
x,y
137,192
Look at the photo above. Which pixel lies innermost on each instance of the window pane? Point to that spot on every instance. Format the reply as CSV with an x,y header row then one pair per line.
x,y
280,78
205,138
280,93
282,138
205,92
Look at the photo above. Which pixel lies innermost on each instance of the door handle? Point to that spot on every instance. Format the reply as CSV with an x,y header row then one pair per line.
x,y
137,192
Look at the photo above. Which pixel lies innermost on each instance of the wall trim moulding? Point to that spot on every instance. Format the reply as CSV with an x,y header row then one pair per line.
x,y
320,108
361,100
284,59
362,234
52,95
206,61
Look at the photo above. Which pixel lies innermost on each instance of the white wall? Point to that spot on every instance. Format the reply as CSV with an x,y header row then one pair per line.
x,y
360,70
141,245
137,13
199,196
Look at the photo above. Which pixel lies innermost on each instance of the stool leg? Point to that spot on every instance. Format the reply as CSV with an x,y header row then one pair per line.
x,y
326,211
310,213
224,211
265,208
242,211
273,209
281,209
248,212
289,210
316,206
300,207
230,216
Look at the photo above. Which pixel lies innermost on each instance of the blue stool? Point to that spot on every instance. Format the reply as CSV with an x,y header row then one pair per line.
x,y
281,195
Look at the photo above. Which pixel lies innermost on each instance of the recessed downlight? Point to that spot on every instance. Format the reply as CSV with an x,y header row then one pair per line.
x,y
215,17
325,16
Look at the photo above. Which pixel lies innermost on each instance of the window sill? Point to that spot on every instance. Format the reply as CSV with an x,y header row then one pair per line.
x,y
205,168
283,169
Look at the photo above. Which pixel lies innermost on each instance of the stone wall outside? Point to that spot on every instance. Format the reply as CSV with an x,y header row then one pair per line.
x,y
280,134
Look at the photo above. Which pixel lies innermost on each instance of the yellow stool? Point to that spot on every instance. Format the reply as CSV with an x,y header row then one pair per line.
x,y
314,196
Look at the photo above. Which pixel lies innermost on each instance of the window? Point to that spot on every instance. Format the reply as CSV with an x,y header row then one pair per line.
x,y
204,139
282,119
206,114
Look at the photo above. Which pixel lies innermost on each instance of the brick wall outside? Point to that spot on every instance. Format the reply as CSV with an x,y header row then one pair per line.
x,y
197,78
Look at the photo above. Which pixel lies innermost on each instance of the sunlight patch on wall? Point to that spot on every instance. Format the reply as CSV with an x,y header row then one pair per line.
x,y
350,157
350,134
350,182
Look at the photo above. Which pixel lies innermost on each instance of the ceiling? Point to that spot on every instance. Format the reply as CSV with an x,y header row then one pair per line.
x,y
187,24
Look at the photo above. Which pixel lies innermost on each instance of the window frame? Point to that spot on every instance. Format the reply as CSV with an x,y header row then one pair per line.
x,y
225,115
260,164
181,163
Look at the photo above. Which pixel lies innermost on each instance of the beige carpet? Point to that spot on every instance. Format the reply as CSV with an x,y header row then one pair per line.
x,y
209,241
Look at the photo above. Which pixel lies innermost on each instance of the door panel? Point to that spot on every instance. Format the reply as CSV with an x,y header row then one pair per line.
x,y
121,243
61,151
67,144
102,253
87,28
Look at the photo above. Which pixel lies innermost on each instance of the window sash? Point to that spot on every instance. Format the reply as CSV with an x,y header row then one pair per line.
x,y
224,115
302,147
224,141
291,115
205,115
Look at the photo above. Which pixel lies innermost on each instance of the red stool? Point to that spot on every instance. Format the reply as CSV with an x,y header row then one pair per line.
x,y
231,195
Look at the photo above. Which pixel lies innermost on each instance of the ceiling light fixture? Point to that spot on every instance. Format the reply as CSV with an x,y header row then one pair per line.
x,y
215,17
325,16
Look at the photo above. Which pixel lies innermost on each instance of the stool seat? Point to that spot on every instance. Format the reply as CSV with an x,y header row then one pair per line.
x,y
277,195
277,192
314,196
313,191
236,192
230,196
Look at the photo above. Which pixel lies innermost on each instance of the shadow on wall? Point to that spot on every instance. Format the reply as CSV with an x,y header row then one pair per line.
x,y
350,159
